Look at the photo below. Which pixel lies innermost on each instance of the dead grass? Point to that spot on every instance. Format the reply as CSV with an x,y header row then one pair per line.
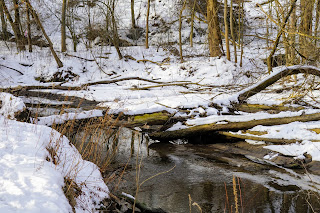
x,y
96,139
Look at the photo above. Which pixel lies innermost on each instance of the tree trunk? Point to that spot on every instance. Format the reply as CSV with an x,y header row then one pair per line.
x,y
305,27
17,21
226,28
317,20
180,28
241,20
133,19
16,31
232,33
214,36
63,26
3,24
35,15
147,25
291,56
192,23
29,30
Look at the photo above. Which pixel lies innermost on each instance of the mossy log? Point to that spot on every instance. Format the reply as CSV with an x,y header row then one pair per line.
x,y
231,126
157,118
252,108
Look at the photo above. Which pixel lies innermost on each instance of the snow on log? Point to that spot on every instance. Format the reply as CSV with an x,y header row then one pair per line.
x,y
231,126
261,85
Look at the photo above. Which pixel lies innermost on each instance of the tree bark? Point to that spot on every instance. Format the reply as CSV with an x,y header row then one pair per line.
x,y
29,30
305,27
3,24
192,23
232,33
226,29
214,36
63,26
147,25
180,28
133,19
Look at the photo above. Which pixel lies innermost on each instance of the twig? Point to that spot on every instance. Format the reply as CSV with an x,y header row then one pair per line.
x,y
12,69
66,54
123,79
154,62
164,85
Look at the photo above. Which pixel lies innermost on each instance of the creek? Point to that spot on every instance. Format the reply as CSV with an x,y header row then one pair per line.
x,y
175,174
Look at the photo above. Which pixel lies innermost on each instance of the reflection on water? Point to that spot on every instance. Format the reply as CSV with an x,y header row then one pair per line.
x,y
208,181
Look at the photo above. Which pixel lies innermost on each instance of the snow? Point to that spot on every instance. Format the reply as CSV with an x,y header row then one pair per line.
x,y
10,105
59,119
32,177
30,183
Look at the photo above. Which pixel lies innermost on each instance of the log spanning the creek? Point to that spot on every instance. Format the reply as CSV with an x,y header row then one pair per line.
x,y
230,126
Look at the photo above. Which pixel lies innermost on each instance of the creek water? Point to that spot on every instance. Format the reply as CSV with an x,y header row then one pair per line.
x,y
178,177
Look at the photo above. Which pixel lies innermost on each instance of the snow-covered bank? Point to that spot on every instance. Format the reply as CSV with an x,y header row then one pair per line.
x,y
34,160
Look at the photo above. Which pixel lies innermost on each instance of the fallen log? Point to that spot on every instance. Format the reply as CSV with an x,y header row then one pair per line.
x,y
230,126
252,108
258,138
292,70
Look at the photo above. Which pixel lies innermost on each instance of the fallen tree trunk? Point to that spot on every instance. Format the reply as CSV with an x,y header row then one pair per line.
x,y
208,128
258,138
247,93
